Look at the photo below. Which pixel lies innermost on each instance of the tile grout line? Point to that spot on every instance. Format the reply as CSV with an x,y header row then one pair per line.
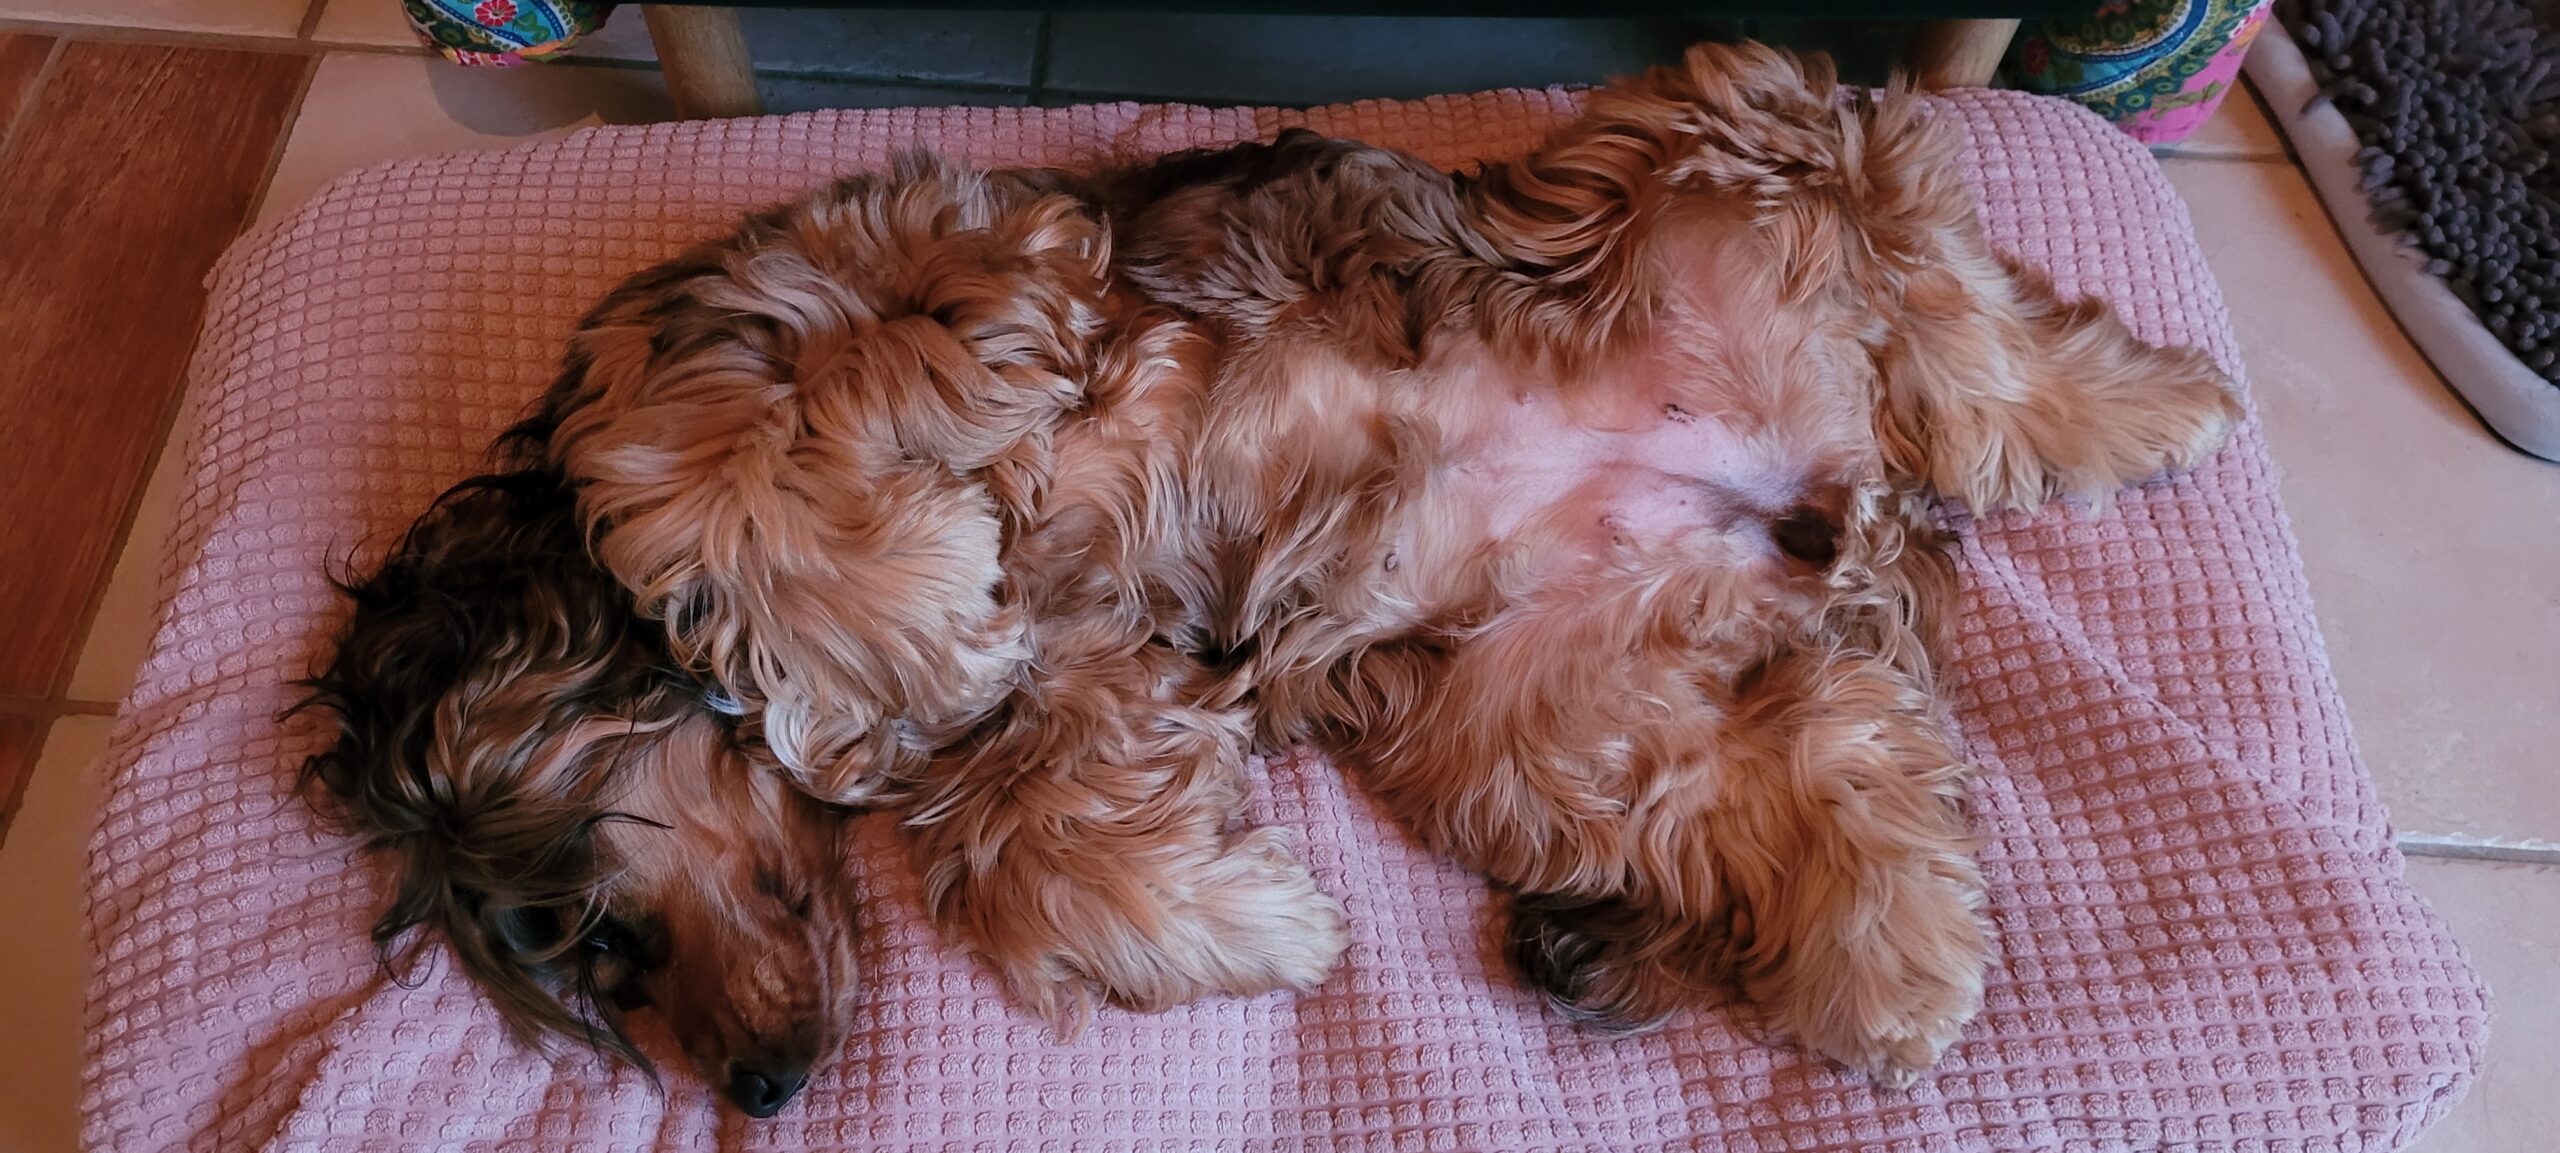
x,y
311,19
26,108
320,47
46,717
16,797
2172,153
257,204
2258,101
2447,849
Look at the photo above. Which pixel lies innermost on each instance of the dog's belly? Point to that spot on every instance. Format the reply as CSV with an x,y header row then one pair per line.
x,y
1642,478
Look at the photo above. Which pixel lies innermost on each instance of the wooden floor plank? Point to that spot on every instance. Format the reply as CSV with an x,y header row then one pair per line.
x,y
129,172
21,738
22,57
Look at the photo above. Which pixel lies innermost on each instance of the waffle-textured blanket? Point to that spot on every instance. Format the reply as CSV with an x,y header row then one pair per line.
x,y
2206,939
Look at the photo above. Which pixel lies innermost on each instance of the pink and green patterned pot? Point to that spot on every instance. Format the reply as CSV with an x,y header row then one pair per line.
x,y
2157,68
498,33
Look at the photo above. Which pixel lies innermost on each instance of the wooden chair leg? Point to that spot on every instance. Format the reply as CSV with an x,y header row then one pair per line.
x,y
1958,53
703,55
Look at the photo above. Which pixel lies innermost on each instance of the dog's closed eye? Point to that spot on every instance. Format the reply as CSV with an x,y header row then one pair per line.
x,y
620,939
772,885
526,930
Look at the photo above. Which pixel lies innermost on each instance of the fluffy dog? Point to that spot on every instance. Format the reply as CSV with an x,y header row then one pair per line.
x,y
1582,508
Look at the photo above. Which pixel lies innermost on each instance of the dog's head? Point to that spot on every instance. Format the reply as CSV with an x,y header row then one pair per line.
x,y
727,910
564,811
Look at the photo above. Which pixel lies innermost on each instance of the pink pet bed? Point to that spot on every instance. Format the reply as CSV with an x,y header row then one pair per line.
x,y
2206,939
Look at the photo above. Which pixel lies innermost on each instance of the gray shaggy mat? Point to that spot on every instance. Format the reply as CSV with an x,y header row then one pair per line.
x,y
2456,105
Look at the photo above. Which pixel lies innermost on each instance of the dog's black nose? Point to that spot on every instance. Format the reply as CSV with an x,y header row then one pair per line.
x,y
1808,535
763,1092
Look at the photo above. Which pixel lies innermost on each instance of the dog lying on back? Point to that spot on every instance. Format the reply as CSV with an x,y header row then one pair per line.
x,y
1580,509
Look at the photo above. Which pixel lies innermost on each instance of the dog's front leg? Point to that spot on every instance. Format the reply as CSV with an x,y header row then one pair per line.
x,y
1081,843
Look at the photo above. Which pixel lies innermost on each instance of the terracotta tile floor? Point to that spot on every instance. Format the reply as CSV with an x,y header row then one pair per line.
x,y
2430,546
102,290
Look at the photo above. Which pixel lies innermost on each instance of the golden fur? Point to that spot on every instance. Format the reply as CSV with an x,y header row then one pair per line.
x,y
1581,508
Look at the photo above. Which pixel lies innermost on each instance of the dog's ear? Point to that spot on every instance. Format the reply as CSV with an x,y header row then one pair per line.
x,y
1996,390
472,695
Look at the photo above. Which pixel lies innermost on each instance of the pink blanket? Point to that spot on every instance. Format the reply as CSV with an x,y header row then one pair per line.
x,y
2207,942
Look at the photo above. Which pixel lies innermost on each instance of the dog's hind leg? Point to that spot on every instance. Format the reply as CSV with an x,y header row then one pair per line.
x,y
1996,390
1562,767
2000,393
1855,904
1082,844
1568,753
1796,831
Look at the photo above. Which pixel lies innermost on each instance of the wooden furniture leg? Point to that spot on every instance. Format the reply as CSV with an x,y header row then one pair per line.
x,y
1958,53
703,55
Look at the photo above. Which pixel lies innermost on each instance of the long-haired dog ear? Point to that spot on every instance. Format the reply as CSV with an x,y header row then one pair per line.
x,y
1996,390
794,446
475,695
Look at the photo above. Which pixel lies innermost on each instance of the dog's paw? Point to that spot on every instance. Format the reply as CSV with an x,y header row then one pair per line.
x,y
1610,965
1896,1042
1249,921
1306,931
1897,1056
2196,416
2171,425
1274,927
1890,1003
